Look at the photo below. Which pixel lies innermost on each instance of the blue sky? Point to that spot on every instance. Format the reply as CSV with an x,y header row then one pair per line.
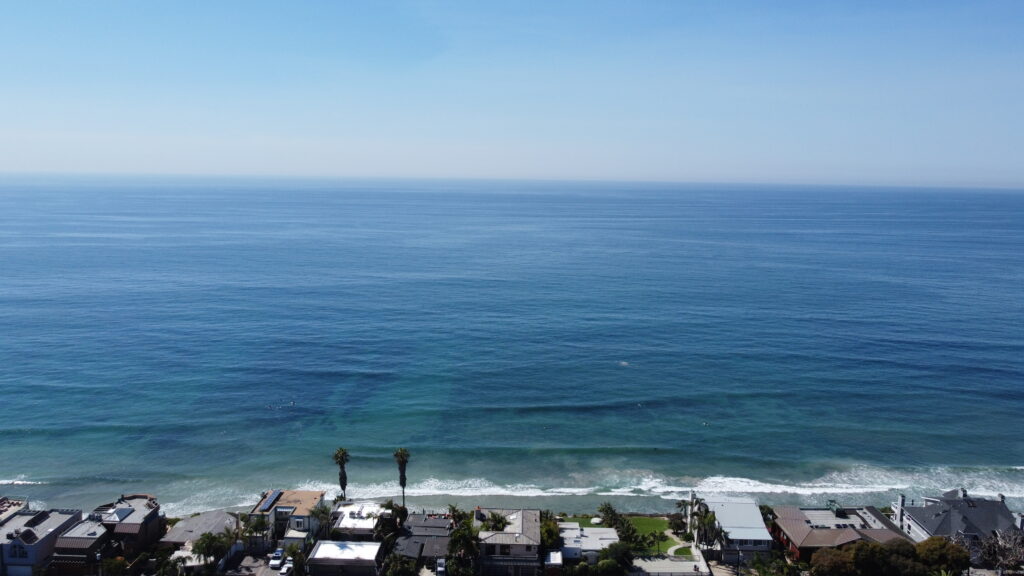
x,y
909,93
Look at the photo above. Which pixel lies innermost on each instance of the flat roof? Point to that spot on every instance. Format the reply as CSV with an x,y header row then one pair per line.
x,y
740,517
85,529
30,526
131,509
586,539
9,506
301,500
345,550
358,516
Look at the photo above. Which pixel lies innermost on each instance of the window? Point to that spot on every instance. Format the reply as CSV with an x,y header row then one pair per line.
x,y
506,550
300,524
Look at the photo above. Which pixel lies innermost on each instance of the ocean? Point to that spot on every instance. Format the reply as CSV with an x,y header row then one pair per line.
x,y
550,344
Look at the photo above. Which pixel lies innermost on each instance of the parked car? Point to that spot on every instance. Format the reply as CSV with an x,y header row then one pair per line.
x,y
286,570
440,567
277,558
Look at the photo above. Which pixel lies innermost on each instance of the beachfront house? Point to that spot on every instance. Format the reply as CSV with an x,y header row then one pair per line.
x,y
514,550
747,536
424,538
345,558
81,549
581,544
954,513
804,531
191,528
28,539
287,512
134,521
356,520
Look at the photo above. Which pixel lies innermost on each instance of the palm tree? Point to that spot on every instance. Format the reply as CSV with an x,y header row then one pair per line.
x,y
341,458
206,547
294,551
258,527
659,538
322,514
402,459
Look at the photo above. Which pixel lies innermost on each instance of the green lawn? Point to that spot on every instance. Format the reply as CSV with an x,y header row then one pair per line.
x,y
684,551
645,525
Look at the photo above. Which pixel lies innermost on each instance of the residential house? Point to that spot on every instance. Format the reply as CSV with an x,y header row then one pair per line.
x,y
28,539
191,528
513,551
954,514
134,521
288,512
424,538
803,531
356,520
584,544
747,536
81,548
346,558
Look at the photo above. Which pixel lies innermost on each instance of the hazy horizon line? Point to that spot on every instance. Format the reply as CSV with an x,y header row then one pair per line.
x,y
575,180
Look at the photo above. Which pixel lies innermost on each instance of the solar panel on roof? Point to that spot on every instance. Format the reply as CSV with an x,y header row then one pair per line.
x,y
270,500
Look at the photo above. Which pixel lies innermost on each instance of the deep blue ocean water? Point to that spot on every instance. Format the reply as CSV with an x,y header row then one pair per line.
x,y
554,343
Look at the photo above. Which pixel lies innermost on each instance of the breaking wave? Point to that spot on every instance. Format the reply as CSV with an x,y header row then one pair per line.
x,y
19,481
651,492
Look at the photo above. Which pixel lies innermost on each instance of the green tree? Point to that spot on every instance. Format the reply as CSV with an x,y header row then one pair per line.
x,y
550,538
463,545
210,547
257,528
402,459
659,539
389,525
609,567
620,552
940,554
322,514
398,565
832,562
341,458
494,522
114,566
677,523
294,551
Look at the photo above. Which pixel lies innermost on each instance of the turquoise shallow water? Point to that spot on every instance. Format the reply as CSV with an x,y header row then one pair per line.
x,y
204,339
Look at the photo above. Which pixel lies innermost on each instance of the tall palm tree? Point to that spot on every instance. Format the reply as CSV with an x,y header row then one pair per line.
x,y
402,459
341,458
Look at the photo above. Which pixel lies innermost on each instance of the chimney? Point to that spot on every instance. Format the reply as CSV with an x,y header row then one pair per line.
x,y
1020,521
963,492
899,512
1002,498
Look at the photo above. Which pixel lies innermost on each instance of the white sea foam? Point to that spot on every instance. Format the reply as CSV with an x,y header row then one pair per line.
x,y
19,481
437,487
876,483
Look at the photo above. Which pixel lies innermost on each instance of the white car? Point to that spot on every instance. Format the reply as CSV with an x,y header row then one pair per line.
x,y
440,567
277,558
287,568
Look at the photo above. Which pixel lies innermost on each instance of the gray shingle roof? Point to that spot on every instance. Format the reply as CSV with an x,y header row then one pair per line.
x,y
955,512
193,527
523,527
